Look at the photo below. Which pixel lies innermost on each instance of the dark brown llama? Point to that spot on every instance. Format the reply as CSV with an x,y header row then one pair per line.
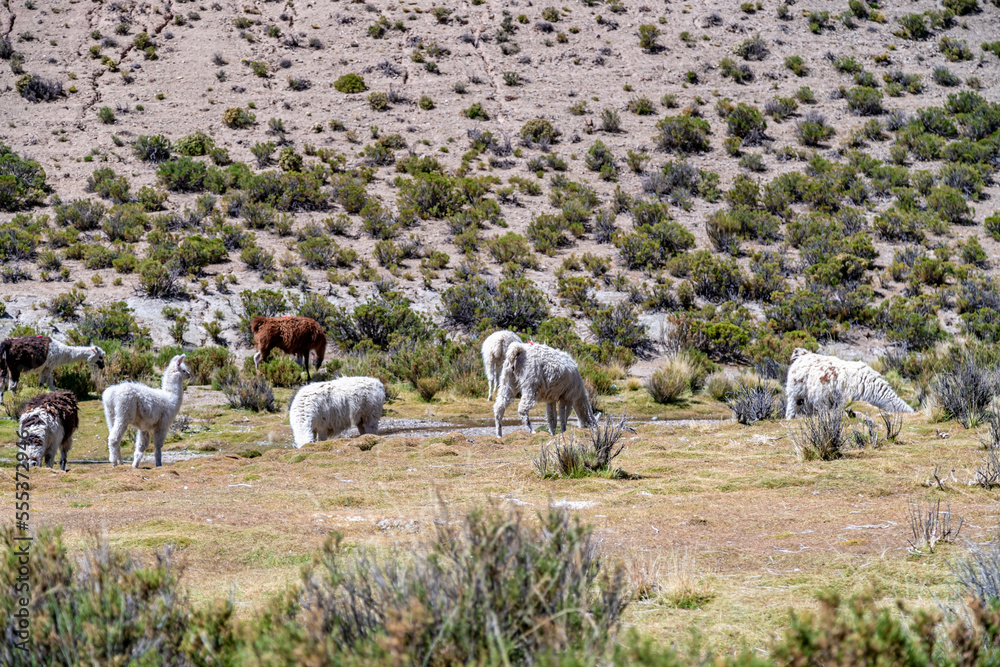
x,y
297,336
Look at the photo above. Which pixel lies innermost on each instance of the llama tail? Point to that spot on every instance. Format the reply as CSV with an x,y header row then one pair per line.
x,y
877,391
512,365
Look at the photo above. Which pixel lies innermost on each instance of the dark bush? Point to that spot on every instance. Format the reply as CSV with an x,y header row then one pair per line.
x,y
246,393
966,391
477,304
36,89
155,148
682,134
619,325
22,181
752,403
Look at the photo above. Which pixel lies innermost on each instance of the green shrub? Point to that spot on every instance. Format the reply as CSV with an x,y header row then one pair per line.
x,y
475,112
619,326
961,7
477,305
22,181
746,122
797,65
648,34
682,134
194,145
378,101
182,175
864,101
113,322
538,129
238,118
155,148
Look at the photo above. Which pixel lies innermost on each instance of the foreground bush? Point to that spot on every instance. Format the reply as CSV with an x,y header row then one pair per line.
x,y
491,590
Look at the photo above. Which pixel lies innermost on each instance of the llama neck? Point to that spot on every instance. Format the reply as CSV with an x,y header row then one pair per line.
x,y
173,384
72,352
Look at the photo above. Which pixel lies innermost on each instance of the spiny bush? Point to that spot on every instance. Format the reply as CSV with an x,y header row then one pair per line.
x,y
821,434
682,134
966,390
242,392
619,325
591,457
36,89
154,148
22,181
477,304
752,403
238,118
754,48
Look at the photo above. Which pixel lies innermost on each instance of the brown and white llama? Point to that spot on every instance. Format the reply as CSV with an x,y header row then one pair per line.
x,y
28,354
47,423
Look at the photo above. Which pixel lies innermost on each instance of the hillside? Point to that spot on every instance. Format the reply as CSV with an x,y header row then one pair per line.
x,y
863,229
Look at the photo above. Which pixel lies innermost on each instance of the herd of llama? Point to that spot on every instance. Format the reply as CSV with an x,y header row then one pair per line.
x,y
323,410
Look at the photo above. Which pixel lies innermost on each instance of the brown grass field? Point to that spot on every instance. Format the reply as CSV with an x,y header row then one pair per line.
x,y
721,523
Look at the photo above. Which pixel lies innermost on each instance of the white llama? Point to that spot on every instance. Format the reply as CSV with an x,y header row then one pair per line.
x,y
494,353
323,410
542,374
152,411
818,381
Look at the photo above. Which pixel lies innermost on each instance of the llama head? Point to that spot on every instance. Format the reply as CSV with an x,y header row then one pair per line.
x,y
96,357
179,366
796,353
30,440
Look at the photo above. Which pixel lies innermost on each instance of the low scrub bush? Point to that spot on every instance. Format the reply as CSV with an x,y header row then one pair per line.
x,y
243,392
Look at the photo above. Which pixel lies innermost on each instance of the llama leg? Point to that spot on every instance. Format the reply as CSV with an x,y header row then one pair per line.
x,y
791,401
371,425
524,408
50,456
64,453
141,443
46,378
159,437
564,415
551,416
117,432
15,377
498,409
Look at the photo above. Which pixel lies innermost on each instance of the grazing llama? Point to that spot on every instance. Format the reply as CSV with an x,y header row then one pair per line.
x,y
818,381
323,410
297,336
47,423
40,353
542,374
494,353
152,411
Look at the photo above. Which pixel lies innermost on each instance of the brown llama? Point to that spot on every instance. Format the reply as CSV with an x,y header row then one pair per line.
x,y
297,336
18,355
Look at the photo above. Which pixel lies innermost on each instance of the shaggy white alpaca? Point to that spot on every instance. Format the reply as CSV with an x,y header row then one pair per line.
x,y
152,411
323,410
817,380
494,353
542,374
